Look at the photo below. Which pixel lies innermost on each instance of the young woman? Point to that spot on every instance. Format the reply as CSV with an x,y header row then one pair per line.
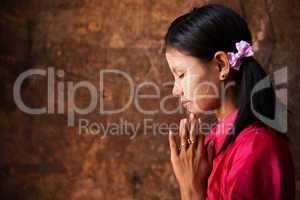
x,y
209,51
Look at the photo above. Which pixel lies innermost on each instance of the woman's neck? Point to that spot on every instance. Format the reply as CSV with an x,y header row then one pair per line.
x,y
228,105
225,110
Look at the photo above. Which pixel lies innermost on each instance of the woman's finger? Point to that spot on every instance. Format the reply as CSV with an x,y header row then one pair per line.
x,y
210,152
183,134
193,131
200,145
173,145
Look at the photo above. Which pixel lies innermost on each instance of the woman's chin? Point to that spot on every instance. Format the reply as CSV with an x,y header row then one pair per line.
x,y
198,110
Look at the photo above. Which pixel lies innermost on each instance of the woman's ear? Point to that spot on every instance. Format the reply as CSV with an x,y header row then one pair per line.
x,y
222,62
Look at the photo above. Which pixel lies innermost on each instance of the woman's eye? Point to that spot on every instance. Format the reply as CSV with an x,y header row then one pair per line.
x,y
181,76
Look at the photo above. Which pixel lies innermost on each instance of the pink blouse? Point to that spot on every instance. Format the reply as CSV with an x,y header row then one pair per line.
x,y
257,165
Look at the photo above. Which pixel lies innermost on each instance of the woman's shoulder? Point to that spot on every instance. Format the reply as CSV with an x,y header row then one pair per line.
x,y
261,134
259,140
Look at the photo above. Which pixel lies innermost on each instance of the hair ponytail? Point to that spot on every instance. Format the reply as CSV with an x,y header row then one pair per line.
x,y
262,101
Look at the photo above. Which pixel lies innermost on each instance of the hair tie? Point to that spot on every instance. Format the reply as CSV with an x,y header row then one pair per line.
x,y
244,50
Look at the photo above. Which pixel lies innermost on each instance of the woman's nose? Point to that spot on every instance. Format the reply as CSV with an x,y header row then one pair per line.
x,y
177,90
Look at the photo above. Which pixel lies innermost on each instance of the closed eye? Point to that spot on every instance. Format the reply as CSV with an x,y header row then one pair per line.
x,y
181,76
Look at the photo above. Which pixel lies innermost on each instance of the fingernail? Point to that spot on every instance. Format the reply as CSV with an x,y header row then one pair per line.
x,y
192,116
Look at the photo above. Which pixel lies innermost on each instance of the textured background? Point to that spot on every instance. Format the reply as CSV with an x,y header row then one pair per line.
x,y
41,158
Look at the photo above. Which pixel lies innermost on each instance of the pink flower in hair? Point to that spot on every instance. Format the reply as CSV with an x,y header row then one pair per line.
x,y
244,50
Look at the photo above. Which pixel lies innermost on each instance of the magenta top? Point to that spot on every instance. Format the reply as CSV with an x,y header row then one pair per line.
x,y
257,165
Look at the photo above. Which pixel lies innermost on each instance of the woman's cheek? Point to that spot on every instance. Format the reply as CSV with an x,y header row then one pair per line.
x,y
205,98
191,87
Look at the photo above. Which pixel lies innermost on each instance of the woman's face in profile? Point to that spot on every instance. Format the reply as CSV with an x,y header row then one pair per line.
x,y
196,83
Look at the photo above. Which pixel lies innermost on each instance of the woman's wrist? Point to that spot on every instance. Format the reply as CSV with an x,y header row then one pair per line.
x,y
193,193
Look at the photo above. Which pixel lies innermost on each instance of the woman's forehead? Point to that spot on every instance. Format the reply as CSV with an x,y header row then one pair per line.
x,y
177,59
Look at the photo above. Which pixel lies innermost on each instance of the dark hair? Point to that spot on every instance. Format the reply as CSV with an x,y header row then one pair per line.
x,y
211,28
